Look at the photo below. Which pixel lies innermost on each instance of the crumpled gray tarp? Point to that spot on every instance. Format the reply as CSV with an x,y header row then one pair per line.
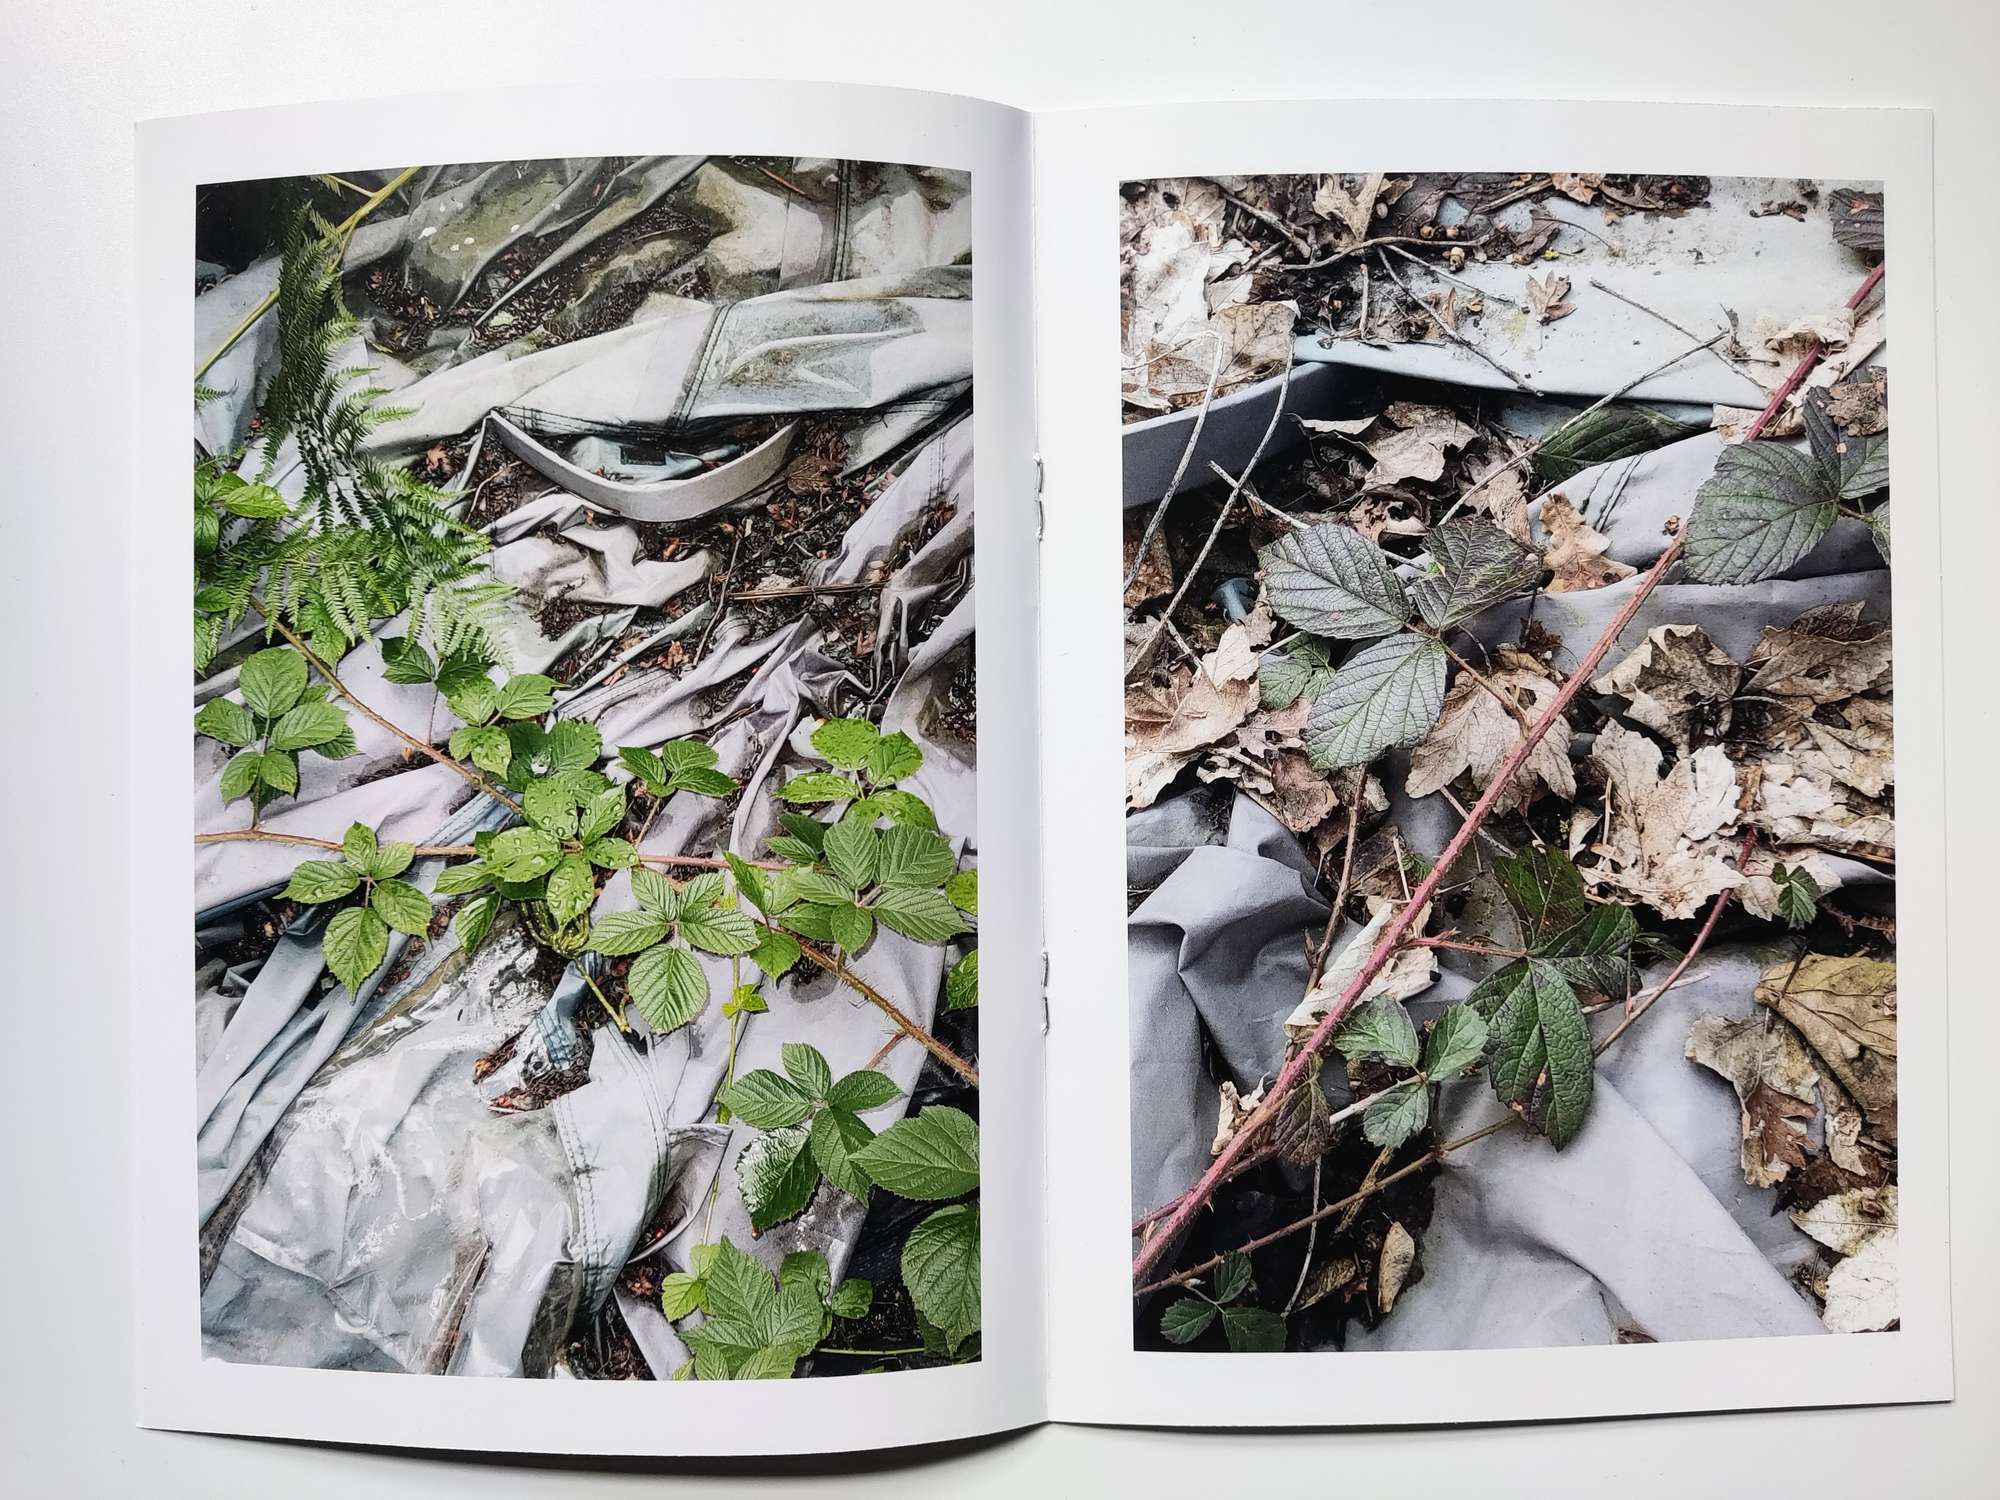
x,y
367,1204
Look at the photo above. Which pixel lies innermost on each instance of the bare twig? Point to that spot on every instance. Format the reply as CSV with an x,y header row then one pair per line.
x,y
460,851
721,596
801,590
1453,334
1284,386
883,1003
1471,286
1519,714
1318,965
1393,936
1194,440
1365,246
1289,231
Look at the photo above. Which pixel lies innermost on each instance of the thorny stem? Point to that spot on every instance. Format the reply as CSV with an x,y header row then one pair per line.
x,y
1318,965
341,231
883,1003
1447,941
299,645
1392,937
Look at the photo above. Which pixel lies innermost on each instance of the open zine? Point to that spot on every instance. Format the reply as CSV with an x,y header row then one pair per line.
x,y
1358,882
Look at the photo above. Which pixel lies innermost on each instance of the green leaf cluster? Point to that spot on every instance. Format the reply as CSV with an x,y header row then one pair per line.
x,y
281,714
666,981
855,875
1768,504
867,764
1538,1047
812,1129
492,711
1383,1031
756,1326
357,937
1246,1328
677,766
1332,583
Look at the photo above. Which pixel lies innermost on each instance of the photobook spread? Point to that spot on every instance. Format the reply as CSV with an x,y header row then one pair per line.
x,y
1430,775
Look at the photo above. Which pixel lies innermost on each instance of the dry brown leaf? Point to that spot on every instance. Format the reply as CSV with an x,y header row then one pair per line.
x,y
1582,186
1410,972
1861,1292
1735,422
1774,1079
1575,551
1860,406
1165,727
1845,1008
1232,1110
1476,734
1545,297
1156,574
1417,445
1658,840
1504,497
1392,1266
1677,682
1354,212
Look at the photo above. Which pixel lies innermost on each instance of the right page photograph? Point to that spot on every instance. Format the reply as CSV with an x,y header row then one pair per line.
x,y
1509,760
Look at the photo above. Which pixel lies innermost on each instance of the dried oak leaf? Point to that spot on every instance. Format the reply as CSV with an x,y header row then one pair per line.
x,y
1575,550
1659,842
1678,683
1545,297
1475,734
1774,1078
1845,1008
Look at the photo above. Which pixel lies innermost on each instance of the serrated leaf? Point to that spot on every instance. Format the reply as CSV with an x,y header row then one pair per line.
x,y
915,857
278,770
657,894
1253,1330
1766,506
703,782
570,746
240,775
1456,1041
930,1155
256,502
358,846
740,1290
926,916
775,953
572,888
808,920
1539,1026
319,880
820,887
272,680
778,1176
1232,1277
307,724
807,1067
898,806
526,695
818,786
1332,581
523,854
806,829
647,767
963,891
601,814
836,1135
472,698
941,1269
402,906
1380,1029
618,933
611,854
405,661
850,926
1387,694
863,1090
852,1298
1478,566
1301,670
894,757
681,1294
1594,953
846,743
1600,437
1878,528
475,920
667,987
1545,888
225,720
687,755
961,983
1397,1114
766,1100
485,745
852,849
456,880
1856,466
718,929
354,944
1186,1320
548,805
391,860
743,1001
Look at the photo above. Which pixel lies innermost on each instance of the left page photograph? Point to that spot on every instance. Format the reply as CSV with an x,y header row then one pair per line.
x,y
586,772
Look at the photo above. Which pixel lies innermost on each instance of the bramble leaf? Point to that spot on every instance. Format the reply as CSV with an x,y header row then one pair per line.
x,y
1379,1029
863,1090
961,983
354,944
1537,1026
1332,581
475,920
894,757
667,986
925,915
778,1175
1253,1330
1478,566
818,786
226,720
1187,1320
1397,1114
1456,1041
1387,694
836,1135
846,743
963,889
941,1269
402,906
930,1155
272,680
1600,437
766,1100
1766,506
319,880
806,1066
